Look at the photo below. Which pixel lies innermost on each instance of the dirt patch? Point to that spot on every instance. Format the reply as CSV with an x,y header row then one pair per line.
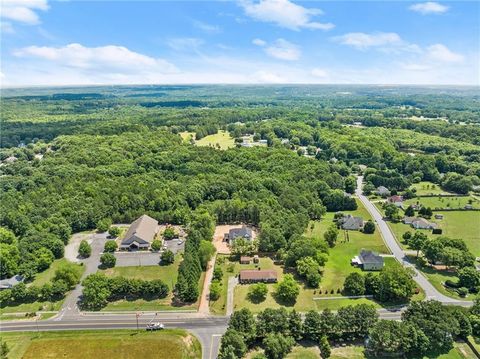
x,y
71,249
220,245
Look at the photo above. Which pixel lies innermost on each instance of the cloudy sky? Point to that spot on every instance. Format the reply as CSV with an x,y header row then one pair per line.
x,y
246,41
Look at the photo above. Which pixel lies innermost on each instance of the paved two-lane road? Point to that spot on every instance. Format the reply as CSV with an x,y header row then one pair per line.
x,y
430,291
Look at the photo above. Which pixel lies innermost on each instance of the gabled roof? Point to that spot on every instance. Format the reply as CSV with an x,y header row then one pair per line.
x,y
367,256
396,198
142,230
253,274
350,222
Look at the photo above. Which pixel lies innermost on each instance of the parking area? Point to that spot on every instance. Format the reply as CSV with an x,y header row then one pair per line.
x,y
175,245
139,258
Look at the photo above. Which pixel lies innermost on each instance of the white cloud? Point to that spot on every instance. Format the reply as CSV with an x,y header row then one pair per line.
x,y
284,13
321,73
429,7
441,53
110,58
208,28
266,77
185,43
362,41
259,42
6,27
283,50
23,11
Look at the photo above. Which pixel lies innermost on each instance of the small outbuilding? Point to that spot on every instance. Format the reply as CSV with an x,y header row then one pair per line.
x,y
245,260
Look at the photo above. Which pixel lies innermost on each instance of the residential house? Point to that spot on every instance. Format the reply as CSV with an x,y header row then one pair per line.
x,y
409,220
256,276
140,234
242,232
396,200
351,223
438,216
382,191
422,223
10,282
368,260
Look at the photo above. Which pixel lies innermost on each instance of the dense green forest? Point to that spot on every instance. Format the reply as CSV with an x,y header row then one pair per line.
x,y
72,157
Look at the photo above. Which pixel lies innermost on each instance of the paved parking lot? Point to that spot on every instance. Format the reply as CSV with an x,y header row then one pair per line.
x,y
147,258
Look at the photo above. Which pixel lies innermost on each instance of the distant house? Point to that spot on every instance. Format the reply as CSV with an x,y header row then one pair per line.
x,y
11,159
368,260
422,223
396,200
351,223
10,282
438,216
245,260
409,220
382,191
468,206
140,234
242,232
256,276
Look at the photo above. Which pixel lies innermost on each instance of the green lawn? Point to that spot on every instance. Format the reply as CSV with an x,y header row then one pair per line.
x,y
338,266
300,352
425,188
125,344
444,202
222,138
168,274
47,275
460,351
455,224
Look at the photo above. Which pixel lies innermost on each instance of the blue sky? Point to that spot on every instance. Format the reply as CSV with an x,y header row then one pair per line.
x,y
245,41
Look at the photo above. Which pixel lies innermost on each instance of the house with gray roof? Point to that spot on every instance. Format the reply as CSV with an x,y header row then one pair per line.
x,y
235,233
351,223
422,223
368,260
10,282
382,191
140,234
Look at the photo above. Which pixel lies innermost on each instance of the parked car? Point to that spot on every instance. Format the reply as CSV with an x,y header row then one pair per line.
x,y
180,242
155,326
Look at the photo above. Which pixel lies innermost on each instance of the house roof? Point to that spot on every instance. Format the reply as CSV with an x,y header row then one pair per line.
x,y
10,282
382,189
141,230
367,256
243,231
350,222
245,259
396,199
252,274
422,222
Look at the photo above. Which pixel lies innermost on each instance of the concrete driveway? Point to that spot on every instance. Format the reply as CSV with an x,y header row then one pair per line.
x,y
139,258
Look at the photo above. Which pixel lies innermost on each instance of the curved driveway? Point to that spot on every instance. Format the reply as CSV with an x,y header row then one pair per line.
x,y
391,242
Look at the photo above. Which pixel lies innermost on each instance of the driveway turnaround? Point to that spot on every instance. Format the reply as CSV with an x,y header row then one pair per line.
x,y
391,242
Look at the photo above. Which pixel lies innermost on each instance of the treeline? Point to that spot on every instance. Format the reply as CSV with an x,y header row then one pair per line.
x,y
85,179
99,289
427,328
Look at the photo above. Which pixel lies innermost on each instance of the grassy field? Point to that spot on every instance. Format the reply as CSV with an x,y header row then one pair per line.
x,y
47,275
425,188
444,202
455,224
125,344
187,136
168,274
222,138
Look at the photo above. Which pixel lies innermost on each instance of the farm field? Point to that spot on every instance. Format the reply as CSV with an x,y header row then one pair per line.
x,y
174,344
426,188
222,138
444,202
168,274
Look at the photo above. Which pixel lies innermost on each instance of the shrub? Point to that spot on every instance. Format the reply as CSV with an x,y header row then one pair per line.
x,y
104,224
114,232
110,246
462,291
437,231
156,245
258,292
84,250
215,290
108,260
167,257
369,227
169,233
